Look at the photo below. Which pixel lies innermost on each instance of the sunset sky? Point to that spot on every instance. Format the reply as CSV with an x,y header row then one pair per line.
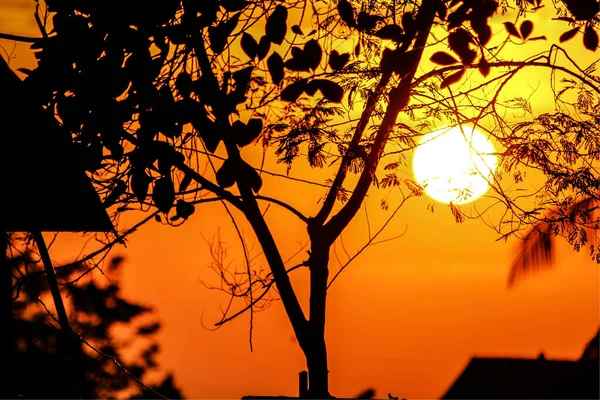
x,y
404,318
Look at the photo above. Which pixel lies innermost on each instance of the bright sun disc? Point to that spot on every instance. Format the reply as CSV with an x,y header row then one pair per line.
x,y
454,165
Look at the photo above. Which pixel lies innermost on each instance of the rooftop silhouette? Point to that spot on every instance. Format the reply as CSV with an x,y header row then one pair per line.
x,y
44,186
536,378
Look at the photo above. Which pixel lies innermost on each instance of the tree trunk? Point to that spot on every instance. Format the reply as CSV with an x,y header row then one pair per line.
x,y
318,374
315,348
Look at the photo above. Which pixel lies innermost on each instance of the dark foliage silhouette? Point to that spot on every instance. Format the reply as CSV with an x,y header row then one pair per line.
x,y
162,102
96,309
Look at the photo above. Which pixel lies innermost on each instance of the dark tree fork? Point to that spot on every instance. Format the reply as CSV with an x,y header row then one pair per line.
x,y
146,92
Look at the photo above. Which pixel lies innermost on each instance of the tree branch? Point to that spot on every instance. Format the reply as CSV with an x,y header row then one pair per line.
x,y
521,64
371,240
208,185
399,99
19,38
360,128
252,211
268,287
284,205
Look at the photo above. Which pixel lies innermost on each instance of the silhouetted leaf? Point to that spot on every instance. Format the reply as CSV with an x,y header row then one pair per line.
x,y
219,34
338,61
311,87
264,45
234,5
330,90
250,175
459,16
409,24
299,60
442,58
484,67
590,38
366,22
293,91
452,78
249,45
275,65
140,183
526,29
163,194
211,139
242,77
568,35
227,173
482,29
346,13
167,156
246,134
458,215
276,25
312,54
459,42
391,32
184,209
297,30
512,29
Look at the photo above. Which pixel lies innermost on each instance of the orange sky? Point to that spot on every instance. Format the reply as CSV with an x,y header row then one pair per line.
x,y
405,318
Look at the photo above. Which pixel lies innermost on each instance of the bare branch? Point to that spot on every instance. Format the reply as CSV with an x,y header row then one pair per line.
x,y
19,38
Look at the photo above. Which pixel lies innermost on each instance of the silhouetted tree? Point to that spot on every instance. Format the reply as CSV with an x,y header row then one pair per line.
x,y
162,99
96,309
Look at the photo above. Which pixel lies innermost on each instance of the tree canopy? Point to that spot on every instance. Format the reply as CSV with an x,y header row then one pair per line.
x,y
165,101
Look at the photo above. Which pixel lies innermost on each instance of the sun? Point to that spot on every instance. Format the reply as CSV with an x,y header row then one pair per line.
x,y
454,164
